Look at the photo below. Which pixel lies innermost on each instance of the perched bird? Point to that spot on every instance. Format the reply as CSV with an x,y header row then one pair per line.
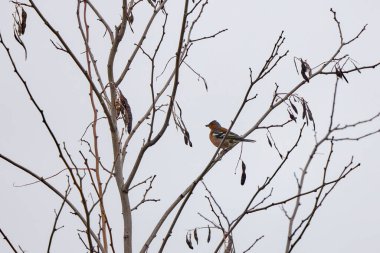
x,y
218,132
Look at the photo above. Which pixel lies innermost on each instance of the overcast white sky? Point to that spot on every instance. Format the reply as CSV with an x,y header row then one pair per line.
x,y
347,222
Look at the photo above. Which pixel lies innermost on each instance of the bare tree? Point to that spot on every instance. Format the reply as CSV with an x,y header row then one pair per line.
x,y
134,133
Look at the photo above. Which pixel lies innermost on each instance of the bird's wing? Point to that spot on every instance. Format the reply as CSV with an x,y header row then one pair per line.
x,y
220,135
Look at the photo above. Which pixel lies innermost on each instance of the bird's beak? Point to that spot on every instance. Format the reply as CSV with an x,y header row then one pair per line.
x,y
207,125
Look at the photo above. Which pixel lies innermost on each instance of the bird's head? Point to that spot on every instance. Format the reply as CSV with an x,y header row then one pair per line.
x,y
213,124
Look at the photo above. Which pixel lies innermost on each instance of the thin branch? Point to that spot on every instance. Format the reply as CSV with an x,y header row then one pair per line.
x,y
355,138
142,182
51,133
74,58
57,192
144,199
253,244
357,123
55,229
8,241
101,19
86,38
210,36
39,180
210,221
215,214
139,44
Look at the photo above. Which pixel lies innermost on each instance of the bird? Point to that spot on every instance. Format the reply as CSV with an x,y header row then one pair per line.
x,y
218,132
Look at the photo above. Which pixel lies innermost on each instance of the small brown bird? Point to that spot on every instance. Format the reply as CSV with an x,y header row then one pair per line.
x,y
218,132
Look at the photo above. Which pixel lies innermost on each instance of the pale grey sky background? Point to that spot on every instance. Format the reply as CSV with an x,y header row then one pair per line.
x,y
347,222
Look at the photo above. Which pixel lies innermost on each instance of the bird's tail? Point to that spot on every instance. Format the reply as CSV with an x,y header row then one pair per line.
x,y
243,139
248,140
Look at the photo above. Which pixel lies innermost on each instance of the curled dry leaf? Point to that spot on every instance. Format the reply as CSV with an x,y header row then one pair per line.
x,y
186,137
339,73
178,120
309,114
188,241
123,108
293,107
19,25
303,109
270,143
22,24
196,235
243,174
243,178
209,234
305,70
292,117
131,18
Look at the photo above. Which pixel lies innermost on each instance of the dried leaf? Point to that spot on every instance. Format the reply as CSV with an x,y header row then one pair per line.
x,y
209,234
243,167
339,73
243,178
125,110
305,68
243,174
303,109
309,114
131,18
305,76
196,235
293,107
19,25
186,137
292,117
22,25
344,77
270,143
295,64
188,241
18,39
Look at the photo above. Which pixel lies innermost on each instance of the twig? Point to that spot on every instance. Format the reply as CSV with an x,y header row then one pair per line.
x,y
8,241
253,244
144,199
38,181
55,229
210,36
57,192
50,131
